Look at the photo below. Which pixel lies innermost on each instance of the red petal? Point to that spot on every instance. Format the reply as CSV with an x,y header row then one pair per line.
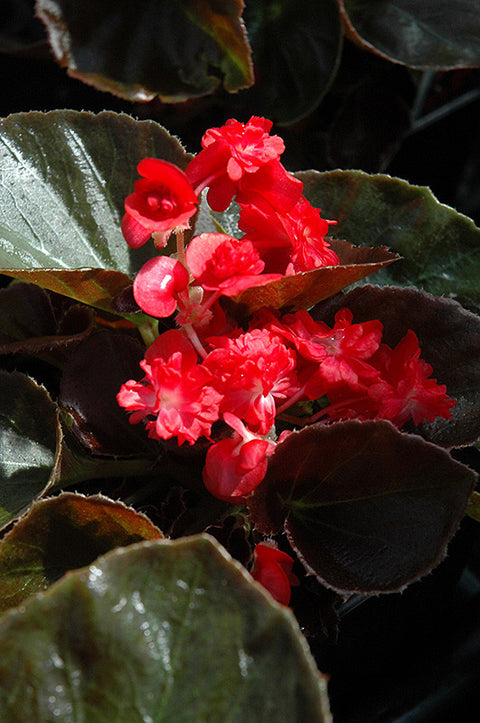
x,y
170,175
156,283
133,232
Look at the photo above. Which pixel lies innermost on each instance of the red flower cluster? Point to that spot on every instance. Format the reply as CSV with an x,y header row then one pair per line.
x,y
210,370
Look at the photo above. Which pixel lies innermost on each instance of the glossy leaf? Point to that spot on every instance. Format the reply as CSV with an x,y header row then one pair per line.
x,y
296,49
64,176
29,430
423,34
440,247
449,337
308,288
164,631
90,382
367,508
176,50
61,534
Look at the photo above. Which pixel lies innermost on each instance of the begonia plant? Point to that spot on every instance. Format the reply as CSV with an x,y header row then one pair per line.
x,y
229,423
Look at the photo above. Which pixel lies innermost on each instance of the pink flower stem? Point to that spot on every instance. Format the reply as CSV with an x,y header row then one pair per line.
x,y
196,343
333,407
293,399
303,421
211,300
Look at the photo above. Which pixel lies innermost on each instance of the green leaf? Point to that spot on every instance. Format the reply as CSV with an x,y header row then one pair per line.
x,y
29,430
160,631
426,34
61,534
367,508
64,176
449,338
440,247
176,50
297,50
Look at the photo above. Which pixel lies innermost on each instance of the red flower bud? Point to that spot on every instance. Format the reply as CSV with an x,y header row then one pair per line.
x,y
273,569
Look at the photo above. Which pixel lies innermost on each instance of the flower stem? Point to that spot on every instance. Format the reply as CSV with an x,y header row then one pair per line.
x,y
180,246
149,331
193,336
293,399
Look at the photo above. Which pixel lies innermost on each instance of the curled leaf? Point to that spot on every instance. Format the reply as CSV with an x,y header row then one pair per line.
x,y
308,288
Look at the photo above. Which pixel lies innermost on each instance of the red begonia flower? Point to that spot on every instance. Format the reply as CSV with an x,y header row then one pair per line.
x,y
405,390
273,569
272,185
157,283
253,371
399,389
289,242
222,263
234,149
233,155
341,352
162,200
175,396
235,466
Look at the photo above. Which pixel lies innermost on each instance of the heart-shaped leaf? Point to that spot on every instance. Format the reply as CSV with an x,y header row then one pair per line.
x,y
296,51
427,34
61,534
440,248
367,508
159,631
64,176
174,50
449,337
29,431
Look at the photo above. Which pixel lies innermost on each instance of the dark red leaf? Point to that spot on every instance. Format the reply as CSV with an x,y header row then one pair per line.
x,y
90,382
367,508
